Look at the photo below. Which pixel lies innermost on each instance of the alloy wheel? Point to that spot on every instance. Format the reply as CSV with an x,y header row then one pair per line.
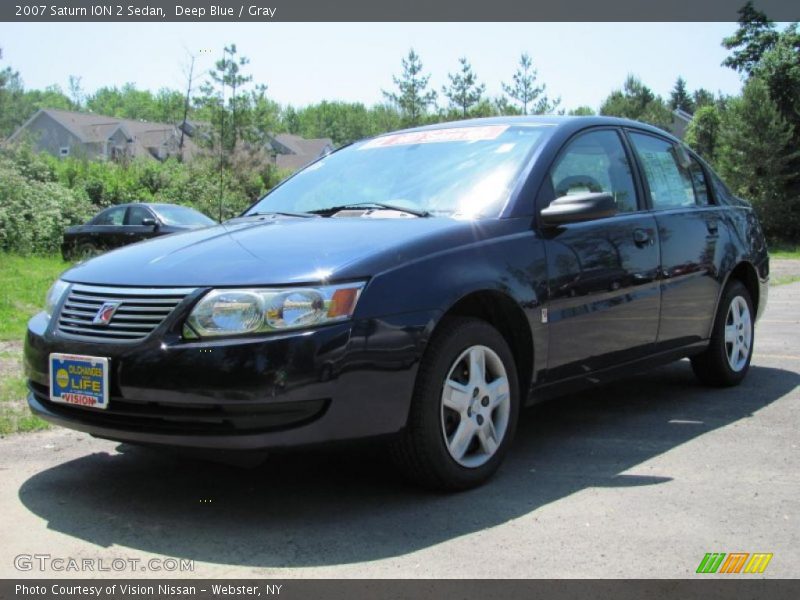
x,y
475,407
738,333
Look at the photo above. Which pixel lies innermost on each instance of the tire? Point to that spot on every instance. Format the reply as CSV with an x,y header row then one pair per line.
x,y
85,251
725,362
429,450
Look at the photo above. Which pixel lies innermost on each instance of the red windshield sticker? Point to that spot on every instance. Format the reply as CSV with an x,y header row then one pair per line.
x,y
435,136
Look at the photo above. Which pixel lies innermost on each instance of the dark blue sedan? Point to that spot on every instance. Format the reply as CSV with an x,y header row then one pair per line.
x,y
422,286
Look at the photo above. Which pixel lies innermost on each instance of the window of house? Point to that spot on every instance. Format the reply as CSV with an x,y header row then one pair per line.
x,y
596,162
671,184
64,151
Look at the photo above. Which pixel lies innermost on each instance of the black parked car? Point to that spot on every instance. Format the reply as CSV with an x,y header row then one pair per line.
x,y
124,224
422,285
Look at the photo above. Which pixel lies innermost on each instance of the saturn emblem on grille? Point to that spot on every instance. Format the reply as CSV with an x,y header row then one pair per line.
x,y
104,314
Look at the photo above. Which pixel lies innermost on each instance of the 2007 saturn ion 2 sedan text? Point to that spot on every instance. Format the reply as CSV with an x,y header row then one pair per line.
x,y
421,285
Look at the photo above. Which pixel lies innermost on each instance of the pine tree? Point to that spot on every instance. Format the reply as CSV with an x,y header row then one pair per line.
x,y
526,90
755,151
756,35
413,97
679,98
464,91
225,82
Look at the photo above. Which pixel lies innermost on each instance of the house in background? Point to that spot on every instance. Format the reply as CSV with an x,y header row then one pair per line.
x,y
680,123
87,135
294,152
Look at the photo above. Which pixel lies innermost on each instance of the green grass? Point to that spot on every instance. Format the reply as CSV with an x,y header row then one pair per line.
x,y
24,281
14,414
785,280
785,252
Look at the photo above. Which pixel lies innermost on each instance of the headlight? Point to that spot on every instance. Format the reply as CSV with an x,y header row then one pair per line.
x,y
242,311
53,297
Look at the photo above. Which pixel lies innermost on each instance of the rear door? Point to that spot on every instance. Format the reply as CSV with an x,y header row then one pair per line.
x,y
688,228
603,291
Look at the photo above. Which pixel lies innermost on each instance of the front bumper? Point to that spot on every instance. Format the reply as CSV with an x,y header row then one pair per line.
x,y
339,382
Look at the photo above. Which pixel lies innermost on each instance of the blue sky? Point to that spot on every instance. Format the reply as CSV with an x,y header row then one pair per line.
x,y
307,62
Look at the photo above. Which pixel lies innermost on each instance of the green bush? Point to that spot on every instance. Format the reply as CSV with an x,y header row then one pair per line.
x,y
34,213
41,195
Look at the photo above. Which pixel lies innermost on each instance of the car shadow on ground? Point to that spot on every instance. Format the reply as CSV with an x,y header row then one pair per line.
x,y
329,507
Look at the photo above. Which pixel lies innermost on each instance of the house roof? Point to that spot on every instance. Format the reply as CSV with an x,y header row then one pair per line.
x,y
94,128
301,145
294,152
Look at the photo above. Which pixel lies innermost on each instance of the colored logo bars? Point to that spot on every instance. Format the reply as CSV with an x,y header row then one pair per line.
x,y
736,562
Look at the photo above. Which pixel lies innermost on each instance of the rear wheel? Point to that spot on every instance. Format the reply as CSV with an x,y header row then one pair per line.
x,y
727,358
464,410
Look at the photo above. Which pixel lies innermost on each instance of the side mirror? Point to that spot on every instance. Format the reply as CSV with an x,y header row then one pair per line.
x,y
579,207
150,222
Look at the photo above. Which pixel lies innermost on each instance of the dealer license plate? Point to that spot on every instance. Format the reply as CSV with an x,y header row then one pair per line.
x,y
79,380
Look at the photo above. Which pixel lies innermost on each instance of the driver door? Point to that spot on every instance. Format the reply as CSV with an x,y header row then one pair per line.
x,y
135,229
604,298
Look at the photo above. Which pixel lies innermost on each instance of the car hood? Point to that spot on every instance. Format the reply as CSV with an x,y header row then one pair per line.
x,y
270,251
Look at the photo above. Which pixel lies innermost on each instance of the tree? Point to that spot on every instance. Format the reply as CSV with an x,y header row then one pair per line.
x,y
187,103
11,94
636,101
464,91
702,97
76,91
290,120
779,68
413,97
128,102
679,98
229,116
504,107
772,58
756,35
526,91
755,153
703,132
582,111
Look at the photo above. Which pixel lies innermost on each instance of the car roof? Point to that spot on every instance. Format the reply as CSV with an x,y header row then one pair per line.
x,y
562,122
148,204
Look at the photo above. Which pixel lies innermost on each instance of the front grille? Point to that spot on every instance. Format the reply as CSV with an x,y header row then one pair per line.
x,y
140,311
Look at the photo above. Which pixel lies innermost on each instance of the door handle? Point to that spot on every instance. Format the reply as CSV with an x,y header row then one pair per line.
x,y
642,237
712,226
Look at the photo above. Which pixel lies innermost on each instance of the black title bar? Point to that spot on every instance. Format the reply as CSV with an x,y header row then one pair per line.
x,y
699,587
393,10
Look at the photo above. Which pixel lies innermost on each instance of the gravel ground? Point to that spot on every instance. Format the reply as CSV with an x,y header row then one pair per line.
x,y
637,479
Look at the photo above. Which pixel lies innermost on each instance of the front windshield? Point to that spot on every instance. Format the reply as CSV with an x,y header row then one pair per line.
x,y
459,171
182,216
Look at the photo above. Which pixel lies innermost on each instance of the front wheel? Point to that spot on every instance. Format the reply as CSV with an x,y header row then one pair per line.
x,y
464,410
727,358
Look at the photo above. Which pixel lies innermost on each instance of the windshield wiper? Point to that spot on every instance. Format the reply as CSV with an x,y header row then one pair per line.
x,y
282,213
334,209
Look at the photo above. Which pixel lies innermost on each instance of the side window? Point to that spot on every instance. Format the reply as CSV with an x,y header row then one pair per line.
x,y
671,184
699,183
111,216
136,214
596,162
